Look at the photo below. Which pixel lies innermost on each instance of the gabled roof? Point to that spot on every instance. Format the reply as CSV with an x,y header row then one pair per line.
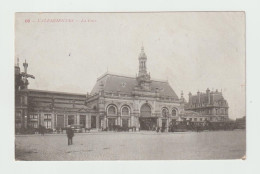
x,y
125,84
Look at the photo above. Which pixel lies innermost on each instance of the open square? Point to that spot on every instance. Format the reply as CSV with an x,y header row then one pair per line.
x,y
133,146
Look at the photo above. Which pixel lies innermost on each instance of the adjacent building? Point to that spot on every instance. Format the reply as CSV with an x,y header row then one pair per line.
x,y
209,106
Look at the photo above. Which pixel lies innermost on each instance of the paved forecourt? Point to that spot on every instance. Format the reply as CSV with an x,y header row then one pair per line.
x,y
133,146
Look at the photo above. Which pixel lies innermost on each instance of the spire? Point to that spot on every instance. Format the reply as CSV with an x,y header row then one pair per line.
x,y
142,54
143,77
25,65
142,62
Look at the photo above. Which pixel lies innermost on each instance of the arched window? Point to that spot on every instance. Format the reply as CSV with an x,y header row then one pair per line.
x,y
146,111
125,111
111,110
165,112
174,112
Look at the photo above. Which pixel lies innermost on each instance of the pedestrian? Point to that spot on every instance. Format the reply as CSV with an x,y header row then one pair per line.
x,y
158,129
70,134
41,130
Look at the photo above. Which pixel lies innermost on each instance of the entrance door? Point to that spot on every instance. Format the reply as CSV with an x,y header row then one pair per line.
x,y
93,122
164,122
60,121
71,120
147,123
82,121
125,123
111,123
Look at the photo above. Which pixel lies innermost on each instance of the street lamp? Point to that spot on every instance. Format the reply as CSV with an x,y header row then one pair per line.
x,y
25,122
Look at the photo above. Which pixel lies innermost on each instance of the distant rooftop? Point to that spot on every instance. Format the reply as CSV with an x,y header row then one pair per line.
x,y
55,92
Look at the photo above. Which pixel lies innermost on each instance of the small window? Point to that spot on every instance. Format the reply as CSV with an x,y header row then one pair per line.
x,y
47,124
34,124
47,116
174,112
164,112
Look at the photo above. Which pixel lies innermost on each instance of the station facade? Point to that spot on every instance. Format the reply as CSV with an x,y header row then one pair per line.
x,y
138,102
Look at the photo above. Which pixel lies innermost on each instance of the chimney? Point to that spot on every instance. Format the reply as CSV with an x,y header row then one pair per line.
x,y
182,99
198,94
190,95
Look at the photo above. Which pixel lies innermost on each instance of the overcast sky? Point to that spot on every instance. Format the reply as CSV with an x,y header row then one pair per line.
x,y
193,50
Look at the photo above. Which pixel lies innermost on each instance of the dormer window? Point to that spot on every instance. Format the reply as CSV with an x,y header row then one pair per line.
x,y
123,84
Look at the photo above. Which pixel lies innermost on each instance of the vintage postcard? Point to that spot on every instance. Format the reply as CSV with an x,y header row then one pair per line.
x,y
130,86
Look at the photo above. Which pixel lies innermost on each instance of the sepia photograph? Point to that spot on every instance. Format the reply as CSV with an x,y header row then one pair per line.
x,y
130,86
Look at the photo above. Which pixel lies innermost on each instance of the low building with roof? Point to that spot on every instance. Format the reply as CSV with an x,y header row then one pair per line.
x,y
52,109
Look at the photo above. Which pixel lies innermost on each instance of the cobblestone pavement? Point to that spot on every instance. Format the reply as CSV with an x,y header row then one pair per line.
x,y
132,146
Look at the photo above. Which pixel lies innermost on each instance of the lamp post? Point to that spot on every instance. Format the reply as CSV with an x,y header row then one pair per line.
x,y
25,122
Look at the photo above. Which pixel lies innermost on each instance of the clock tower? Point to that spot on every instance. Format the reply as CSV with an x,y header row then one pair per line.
x,y
143,78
